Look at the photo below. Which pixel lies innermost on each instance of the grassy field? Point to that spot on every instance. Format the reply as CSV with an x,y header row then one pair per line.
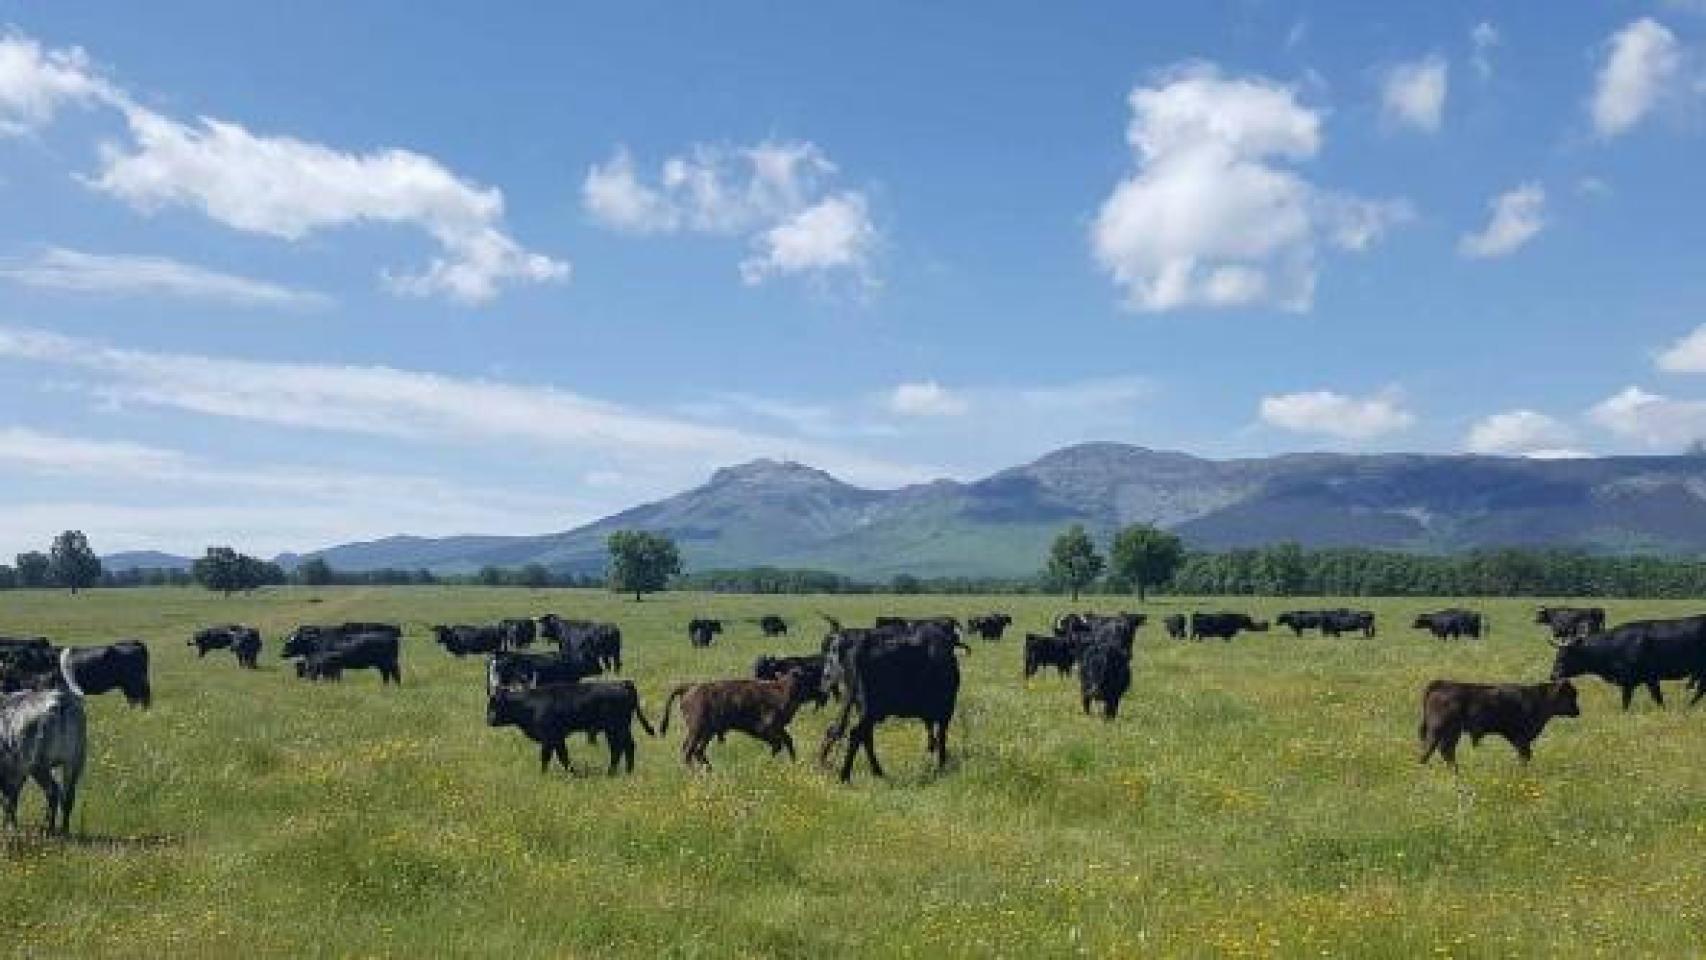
x,y
1257,798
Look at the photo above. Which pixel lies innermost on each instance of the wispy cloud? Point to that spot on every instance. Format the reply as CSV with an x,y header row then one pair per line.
x,y
57,268
1517,216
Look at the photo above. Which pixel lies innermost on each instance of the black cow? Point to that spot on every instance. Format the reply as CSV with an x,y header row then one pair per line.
x,y
1639,653
1342,621
510,668
1517,712
461,640
1104,673
702,633
912,673
243,641
1177,625
23,660
1223,626
1047,650
989,626
307,638
773,626
808,668
1297,621
519,632
600,641
115,666
1566,622
351,651
1452,624
548,715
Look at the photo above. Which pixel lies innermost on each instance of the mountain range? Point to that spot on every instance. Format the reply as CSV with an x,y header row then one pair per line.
x,y
789,514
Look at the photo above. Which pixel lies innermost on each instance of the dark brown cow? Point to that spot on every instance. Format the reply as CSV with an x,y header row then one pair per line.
x,y
760,709
1517,712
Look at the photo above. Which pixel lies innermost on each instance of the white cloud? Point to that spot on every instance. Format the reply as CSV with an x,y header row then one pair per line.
x,y
926,399
1642,60
1483,39
1414,93
289,188
1687,355
422,407
57,268
1651,419
1522,433
1211,218
773,192
1337,415
35,83
1518,215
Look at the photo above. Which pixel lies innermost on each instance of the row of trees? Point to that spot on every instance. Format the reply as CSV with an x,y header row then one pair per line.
x,y
69,562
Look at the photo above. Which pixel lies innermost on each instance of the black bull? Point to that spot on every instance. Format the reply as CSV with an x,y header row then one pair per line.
x,y
1639,653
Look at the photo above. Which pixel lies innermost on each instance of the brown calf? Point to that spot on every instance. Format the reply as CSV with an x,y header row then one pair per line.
x,y
1516,712
757,708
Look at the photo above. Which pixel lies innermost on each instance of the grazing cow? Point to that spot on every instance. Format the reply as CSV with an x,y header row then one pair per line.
x,y
115,666
1104,673
600,641
462,639
702,633
43,731
548,715
1566,622
243,641
773,626
1178,626
809,670
1517,712
913,673
509,669
761,709
1043,650
1639,653
1297,621
1223,626
307,638
1452,624
519,632
989,626
1337,622
351,651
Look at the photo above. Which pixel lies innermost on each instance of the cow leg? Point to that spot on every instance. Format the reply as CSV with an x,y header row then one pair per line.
x,y
941,744
614,739
1658,695
1430,743
854,740
1448,748
1086,702
9,791
545,751
787,742
1111,708
50,789
1628,694
1524,749
561,749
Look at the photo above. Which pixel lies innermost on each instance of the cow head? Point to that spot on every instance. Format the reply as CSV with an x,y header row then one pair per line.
x,y
1561,699
1572,659
1543,615
503,708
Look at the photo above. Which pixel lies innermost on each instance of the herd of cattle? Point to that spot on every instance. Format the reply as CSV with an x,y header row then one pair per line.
x,y
897,668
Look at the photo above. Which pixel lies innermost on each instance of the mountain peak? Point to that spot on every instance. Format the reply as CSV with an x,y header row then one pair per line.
x,y
767,471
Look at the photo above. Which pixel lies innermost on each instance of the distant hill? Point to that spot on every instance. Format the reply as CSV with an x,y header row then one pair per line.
x,y
144,560
788,514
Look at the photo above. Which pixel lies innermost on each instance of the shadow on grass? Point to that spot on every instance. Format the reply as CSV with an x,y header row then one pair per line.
x,y
33,842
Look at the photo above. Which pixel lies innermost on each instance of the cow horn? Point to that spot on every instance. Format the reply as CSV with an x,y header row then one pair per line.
x,y
834,624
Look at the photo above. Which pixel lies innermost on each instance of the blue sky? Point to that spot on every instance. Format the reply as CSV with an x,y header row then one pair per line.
x,y
331,271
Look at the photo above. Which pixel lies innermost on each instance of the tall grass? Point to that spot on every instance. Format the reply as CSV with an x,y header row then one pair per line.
x,y
1254,798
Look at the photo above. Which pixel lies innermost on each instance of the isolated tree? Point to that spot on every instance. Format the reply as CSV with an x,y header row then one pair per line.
x,y
315,572
642,562
1073,561
33,568
71,563
1145,556
228,571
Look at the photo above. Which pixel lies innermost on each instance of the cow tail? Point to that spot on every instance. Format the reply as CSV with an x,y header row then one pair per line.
x,y
640,715
67,672
663,726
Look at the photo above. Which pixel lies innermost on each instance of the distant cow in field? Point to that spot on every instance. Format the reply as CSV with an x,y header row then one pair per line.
x,y
1104,674
761,709
1452,624
1639,653
1517,712
461,640
1177,625
519,632
1046,650
244,642
808,668
1223,626
548,715
1297,621
600,641
338,651
43,732
702,632
512,668
989,626
1566,622
773,626
1342,621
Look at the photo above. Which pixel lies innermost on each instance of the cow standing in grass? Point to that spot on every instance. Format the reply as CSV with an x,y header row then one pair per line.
x,y
1517,712
548,715
44,732
761,709
887,674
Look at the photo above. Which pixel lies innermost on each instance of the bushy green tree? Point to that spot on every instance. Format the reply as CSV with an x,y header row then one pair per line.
x,y
1073,562
642,562
33,568
72,563
1144,556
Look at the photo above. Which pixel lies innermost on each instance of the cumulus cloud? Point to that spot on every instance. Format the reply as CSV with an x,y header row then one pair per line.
x,y
35,82
57,268
926,399
776,193
1484,38
1687,355
1213,217
1331,414
1524,433
1642,60
1652,419
1413,94
1518,215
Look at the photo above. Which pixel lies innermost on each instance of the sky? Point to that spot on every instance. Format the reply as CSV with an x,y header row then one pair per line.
x,y
283,277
